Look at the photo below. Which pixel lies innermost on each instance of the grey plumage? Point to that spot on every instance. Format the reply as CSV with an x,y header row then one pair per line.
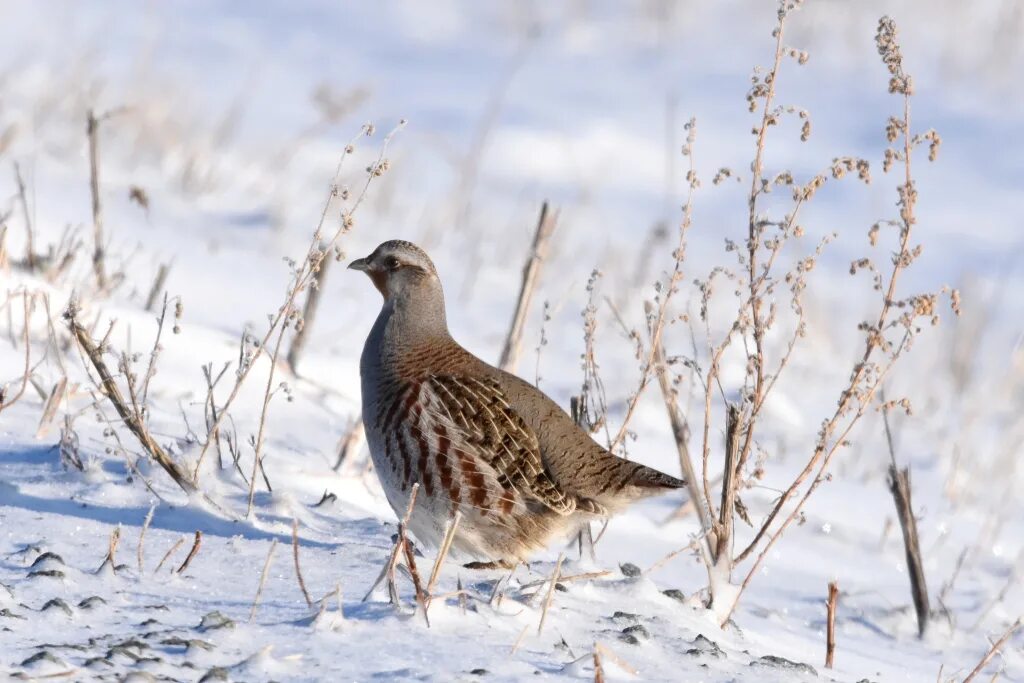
x,y
474,437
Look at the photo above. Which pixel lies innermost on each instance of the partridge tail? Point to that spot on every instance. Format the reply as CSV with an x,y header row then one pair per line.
x,y
623,481
655,481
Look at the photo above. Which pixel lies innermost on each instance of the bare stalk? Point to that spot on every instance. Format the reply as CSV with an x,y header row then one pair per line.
x,y
142,536
899,486
993,650
442,552
196,542
867,376
304,273
388,572
168,554
267,395
130,418
30,249
4,401
830,635
158,286
350,443
681,435
109,559
665,292
295,555
92,125
531,273
263,579
305,322
551,593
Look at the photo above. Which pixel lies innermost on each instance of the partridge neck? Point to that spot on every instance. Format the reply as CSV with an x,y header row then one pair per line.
x,y
415,316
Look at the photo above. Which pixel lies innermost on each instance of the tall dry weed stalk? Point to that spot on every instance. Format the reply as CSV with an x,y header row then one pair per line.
x,y
767,294
288,315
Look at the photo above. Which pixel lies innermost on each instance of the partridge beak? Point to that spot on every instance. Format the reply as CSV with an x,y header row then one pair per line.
x,y
359,264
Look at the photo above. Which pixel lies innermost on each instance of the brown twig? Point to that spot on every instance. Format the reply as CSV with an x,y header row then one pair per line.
x,y
730,483
191,553
263,579
142,536
350,442
867,375
993,650
303,274
115,539
551,593
410,562
598,669
531,273
830,635
446,543
30,249
295,555
113,394
899,486
309,309
98,256
681,435
257,460
657,324
168,554
7,403
158,285
388,571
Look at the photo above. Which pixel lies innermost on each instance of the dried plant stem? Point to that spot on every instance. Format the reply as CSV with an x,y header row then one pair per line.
x,y
531,274
585,576
4,402
53,400
98,254
993,650
302,277
142,536
830,635
113,394
551,593
30,249
298,569
309,310
681,435
151,366
657,324
598,669
730,484
196,542
388,572
867,376
158,286
410,562
619,661
263,579
446,543
267,394
115,539
355,435
168,554
899,486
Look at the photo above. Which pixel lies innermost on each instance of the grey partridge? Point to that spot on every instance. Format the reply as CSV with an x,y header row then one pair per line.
x,y
476,439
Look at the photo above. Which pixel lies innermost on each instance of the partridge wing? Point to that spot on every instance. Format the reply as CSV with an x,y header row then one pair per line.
x,y
483,423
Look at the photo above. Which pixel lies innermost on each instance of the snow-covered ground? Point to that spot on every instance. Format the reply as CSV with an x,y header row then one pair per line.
x,y
235,116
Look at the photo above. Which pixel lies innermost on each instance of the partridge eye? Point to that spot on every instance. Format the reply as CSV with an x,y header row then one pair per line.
x,y
392,263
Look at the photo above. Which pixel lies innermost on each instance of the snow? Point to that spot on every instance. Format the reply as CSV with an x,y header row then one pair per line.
x,y
507,105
